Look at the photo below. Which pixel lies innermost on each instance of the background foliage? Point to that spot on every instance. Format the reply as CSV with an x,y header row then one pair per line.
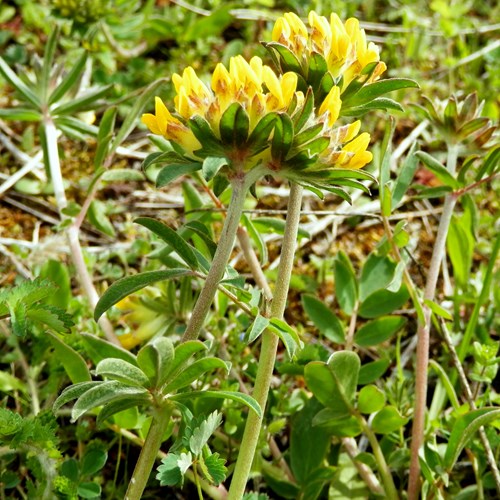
x,y
348,288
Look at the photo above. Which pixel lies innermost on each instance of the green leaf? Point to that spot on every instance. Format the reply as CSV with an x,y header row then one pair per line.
x,y
346,288
104,136
101,394
194,372
379,330
370,399
99,349
86,101
328,388
123,404
288,59
282,137
259,324
464,430
370,372
130,284
448,386
175,170
200,435
169,473
460,244
438,310
301,117
388,420
231,395
51,317
437,169
234,125
74,365
383,103
123,371
308,445
256,237
287,334
405,176
211,165
155,360
170,236
93,461
122,175
272,225
316,70
215,468
70,80
18,84
491,163
72,392
20,114
183,353
383,302
211,145
98,218
89,490
10,422
259,137
378,272
324,319
341,426
373,90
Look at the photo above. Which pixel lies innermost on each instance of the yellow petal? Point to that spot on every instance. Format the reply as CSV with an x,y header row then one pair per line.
x,y
332,105
162,114
359,160
359,144
288,87
150,121
321,31
297,27
272,83
352,131
221,80
281,30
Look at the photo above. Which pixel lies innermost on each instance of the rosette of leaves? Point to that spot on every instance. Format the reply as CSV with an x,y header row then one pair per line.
x,y
158,378
330,53
459,120
48,92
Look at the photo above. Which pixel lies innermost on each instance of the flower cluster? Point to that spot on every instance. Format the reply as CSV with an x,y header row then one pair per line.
x,y
284,122
343,47
252,85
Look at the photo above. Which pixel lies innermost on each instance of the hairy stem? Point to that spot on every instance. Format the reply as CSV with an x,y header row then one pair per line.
x,y
148,454
422,359
268,348
72,233
240,187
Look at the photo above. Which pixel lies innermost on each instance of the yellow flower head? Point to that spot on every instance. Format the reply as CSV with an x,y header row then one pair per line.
x,y
251,84
343,46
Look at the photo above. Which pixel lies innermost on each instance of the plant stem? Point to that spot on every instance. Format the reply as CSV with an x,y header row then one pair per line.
x,y
240,187
385,473
364,471
72,232
268,348
423,331
148,454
